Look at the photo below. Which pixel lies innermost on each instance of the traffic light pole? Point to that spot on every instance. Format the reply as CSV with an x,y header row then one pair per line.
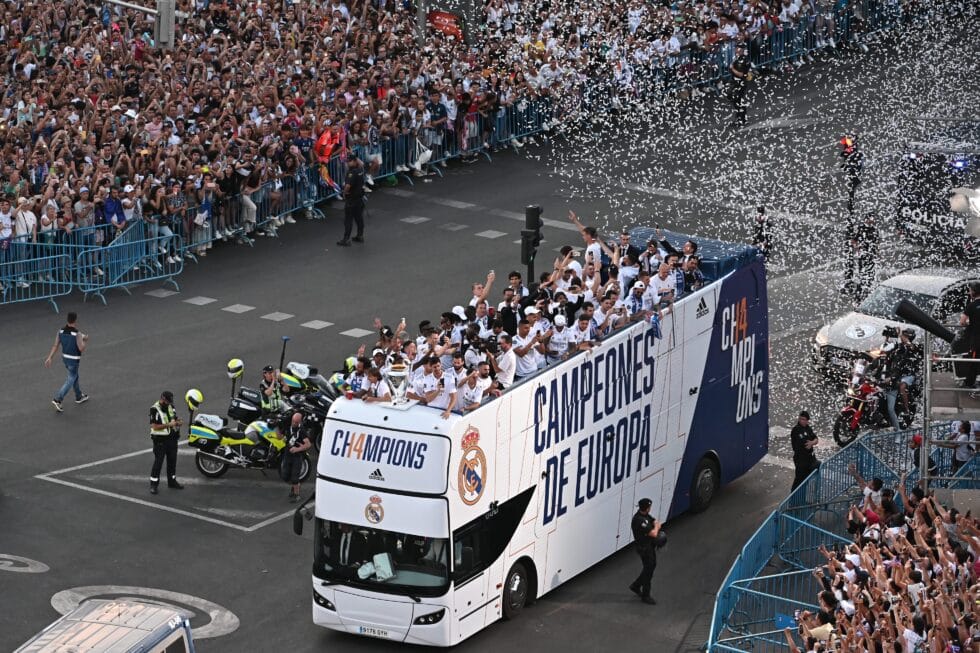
x,y
163,26
531,239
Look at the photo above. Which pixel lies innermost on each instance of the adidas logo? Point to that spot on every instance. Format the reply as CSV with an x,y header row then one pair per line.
x,y
376,475
702,309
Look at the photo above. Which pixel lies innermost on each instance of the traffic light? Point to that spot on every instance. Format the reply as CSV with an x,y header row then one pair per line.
x,y
533,222
163,25
531,234
528,249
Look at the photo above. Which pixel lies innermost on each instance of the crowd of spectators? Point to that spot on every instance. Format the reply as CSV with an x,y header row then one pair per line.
x,y
480,348
98,126
909,581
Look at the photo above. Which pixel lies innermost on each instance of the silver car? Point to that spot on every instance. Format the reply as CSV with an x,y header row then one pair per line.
x,y
939,292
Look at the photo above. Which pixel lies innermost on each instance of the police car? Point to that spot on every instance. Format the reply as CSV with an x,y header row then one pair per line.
x,y
930,170
940,292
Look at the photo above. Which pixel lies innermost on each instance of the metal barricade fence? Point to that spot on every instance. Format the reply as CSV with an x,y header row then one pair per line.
x,y
751,609
35,278
126,262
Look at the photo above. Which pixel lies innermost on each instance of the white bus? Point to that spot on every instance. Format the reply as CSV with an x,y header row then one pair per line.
x,y
427,529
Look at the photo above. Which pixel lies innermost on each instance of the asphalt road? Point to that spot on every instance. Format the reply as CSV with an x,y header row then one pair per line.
x,y
90,522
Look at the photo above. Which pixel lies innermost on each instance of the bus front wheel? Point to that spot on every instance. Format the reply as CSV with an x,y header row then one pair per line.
x,y
515,591
705,484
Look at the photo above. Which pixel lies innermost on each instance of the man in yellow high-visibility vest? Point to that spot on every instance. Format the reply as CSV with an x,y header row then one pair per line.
x,y
164,431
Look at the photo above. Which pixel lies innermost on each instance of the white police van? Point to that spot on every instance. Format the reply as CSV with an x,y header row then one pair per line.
x,y
115,626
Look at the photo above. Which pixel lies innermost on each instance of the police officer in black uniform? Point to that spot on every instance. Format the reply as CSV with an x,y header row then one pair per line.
x,y
297,442
353,201
646,534
741,70
852,165
164,431
804,440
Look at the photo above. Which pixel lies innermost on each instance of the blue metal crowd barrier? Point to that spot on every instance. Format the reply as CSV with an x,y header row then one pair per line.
x,y
751,609
35,278
126,262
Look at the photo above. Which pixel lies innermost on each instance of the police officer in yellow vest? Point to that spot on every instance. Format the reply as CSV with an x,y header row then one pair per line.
x,y
164,431
271,388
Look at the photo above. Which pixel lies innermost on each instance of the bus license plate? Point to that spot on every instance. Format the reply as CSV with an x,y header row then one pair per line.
x,y
371,631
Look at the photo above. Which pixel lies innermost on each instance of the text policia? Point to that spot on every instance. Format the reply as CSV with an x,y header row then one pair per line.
x,y
614,382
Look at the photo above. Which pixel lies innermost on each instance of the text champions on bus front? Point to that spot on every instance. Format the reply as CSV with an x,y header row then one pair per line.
x,y
613,382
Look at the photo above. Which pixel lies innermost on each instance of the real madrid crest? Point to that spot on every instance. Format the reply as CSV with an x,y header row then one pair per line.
x,y
472,468
374,512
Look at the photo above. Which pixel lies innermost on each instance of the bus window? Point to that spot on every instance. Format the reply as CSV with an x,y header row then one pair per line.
x,y
482,541
381,560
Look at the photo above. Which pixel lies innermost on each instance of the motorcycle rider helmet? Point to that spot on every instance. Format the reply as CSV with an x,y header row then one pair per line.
x,y
194,398
235,368
909,333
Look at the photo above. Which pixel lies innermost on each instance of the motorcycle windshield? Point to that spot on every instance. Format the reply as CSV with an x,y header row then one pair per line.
x,y
380,560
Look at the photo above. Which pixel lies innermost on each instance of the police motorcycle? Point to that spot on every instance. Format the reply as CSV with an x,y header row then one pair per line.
x,y
305,390
865,405
221,446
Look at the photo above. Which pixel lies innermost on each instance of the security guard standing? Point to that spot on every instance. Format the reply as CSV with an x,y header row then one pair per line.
x,y
164,431
741,70
803,440
353,201
271,389
646,531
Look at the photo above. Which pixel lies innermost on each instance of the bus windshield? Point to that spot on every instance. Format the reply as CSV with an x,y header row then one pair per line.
x,y
380,560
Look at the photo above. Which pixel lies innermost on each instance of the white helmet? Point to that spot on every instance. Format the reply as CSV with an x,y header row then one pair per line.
x,y
235,368
194,398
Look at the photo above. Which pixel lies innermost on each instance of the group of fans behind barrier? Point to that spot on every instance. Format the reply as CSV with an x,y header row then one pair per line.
x,y
479,349
251,115
909,581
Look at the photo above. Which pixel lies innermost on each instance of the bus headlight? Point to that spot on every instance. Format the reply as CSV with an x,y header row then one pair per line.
x,y
431,618
323,602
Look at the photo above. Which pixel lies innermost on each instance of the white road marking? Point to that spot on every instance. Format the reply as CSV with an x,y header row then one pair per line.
x,y
235,514
514,215
17,564
452,226
161,292
400,192
143,502
277,316
490,233
200,301
238,308
222,621
415,219
316,324
356,333
456,204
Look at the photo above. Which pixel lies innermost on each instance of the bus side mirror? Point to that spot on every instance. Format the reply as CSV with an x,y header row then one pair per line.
x,y
298,521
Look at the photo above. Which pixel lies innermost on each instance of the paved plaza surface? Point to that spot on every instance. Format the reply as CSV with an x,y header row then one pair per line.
x,y
78,520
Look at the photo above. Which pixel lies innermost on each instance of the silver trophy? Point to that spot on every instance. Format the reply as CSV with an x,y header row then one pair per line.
x,y
398,381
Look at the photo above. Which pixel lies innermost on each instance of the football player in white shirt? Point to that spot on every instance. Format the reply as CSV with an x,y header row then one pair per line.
x,y
378,390
665,284
528,347
475,387
557,346
443,395
421,380
580,336
504,362
482,290
638,302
